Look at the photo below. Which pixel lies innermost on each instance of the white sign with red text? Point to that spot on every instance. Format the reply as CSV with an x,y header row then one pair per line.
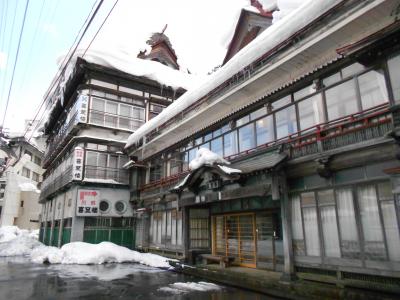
x,y
77,165
88,203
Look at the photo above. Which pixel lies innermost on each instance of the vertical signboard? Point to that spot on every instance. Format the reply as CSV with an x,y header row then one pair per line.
x,y
77,165
83,108
88,203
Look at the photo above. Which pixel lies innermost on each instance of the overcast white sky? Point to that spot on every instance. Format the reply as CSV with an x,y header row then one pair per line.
x,y
199,32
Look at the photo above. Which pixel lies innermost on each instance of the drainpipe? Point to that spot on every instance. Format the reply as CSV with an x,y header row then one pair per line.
x,y
288,268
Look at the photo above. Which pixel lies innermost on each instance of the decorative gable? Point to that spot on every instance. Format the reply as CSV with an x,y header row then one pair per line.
x,y
161,50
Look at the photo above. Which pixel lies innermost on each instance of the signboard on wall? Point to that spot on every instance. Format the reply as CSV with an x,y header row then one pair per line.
x,y
83,108
77,165
88,203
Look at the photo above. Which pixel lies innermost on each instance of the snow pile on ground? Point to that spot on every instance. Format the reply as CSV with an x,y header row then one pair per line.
x,y
205,157
105,252
185,287
16,242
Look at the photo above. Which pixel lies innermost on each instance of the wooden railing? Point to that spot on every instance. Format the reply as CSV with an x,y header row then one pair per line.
x,y
355,128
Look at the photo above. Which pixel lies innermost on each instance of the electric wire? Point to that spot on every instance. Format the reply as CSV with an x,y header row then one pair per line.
x,y
3,83
63,67
15,64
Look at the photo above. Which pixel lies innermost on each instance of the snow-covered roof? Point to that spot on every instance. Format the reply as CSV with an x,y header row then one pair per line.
x,y
266,41
124,61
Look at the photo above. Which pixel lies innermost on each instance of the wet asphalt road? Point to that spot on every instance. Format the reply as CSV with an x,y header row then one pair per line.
x,y
21,279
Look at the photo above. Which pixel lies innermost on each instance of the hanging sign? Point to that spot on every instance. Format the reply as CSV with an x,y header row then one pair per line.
x,y
77,165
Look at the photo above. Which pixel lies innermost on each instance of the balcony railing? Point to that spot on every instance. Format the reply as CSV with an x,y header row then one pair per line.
x,y
352,129
55,145
50,187
106,175
105,119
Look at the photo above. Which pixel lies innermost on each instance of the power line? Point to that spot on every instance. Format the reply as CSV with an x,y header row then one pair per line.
x,y
15,63
9,48
22,84
64,64
101,26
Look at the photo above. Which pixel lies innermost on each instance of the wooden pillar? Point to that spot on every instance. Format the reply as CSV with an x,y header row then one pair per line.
x,y
185,228
288,268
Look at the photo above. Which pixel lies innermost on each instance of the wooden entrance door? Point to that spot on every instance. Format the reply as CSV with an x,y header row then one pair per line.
x,y
235,235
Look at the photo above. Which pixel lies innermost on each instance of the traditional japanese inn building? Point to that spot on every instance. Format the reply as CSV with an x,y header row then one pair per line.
x,y
99,103
307,113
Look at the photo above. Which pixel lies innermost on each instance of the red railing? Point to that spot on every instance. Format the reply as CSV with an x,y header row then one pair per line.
x,y
320,132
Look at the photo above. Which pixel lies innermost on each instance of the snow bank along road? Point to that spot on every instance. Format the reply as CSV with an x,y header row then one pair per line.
x,y
17,242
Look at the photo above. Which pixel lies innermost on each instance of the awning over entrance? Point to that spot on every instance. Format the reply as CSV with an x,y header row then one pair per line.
x,y
196,177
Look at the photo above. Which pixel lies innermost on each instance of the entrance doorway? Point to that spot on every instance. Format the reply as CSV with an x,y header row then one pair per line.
x,y
235,235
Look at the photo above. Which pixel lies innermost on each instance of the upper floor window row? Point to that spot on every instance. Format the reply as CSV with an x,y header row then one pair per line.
x,y
128,90
116,115
351,90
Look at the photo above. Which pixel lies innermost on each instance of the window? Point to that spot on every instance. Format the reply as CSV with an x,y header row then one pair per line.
x,y
21,203
26,172
327,210
389,220
166,228
216,146
101,165
341,100
243,120
281,102
347,224
37,160
285,122
371,224
28,153
394,72
199,228
335,212
116,115
310,112
35,177
246,137
352,70
265,130
156,172
230,143
297,226
310,224
372,89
